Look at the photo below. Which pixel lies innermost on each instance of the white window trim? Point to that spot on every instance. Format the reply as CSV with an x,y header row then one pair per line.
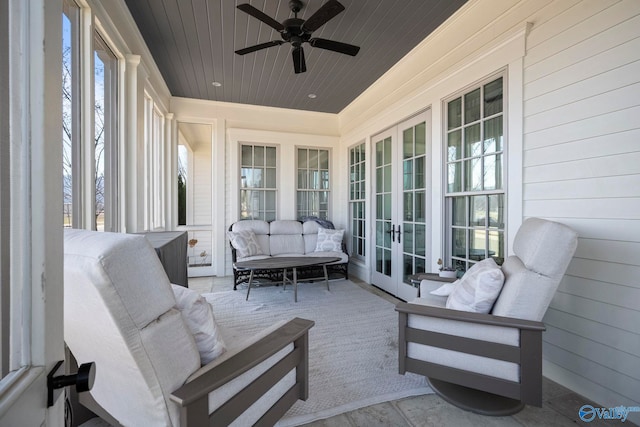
x,y
316,190
447,244
286,143
363,200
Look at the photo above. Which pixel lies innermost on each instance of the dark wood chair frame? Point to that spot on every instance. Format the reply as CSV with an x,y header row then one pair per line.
x,y
472,396
193,396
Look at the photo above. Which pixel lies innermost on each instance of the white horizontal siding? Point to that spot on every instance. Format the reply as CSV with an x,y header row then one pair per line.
x,y
582,168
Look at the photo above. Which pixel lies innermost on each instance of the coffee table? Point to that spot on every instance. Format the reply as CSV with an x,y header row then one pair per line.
x,y
285,263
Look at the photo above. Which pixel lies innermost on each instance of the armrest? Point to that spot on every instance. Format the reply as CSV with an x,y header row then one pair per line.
x,y
466,316
241,362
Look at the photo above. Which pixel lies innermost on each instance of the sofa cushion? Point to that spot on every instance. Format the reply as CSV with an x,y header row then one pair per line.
x,y
259,227
197,314
329,240
245,243
310,235
478,288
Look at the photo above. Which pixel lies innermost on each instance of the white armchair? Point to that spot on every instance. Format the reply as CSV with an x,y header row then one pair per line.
x,y
120,313
491,363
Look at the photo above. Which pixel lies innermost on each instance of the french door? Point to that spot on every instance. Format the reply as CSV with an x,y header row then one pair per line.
x,y
402,188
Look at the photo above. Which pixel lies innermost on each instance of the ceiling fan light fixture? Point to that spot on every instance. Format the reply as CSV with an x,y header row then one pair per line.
x,y
312,96
216,84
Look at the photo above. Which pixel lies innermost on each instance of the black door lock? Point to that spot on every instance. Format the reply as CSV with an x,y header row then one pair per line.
x,y
83,380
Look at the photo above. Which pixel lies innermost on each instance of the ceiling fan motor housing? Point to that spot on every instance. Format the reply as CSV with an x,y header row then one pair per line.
x,y
295,6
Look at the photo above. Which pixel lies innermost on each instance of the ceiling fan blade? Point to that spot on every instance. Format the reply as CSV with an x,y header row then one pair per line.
x,y
259,47
299,65
258,14
326,12
347,49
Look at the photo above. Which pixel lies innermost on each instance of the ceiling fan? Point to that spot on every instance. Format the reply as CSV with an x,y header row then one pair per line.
x,y
297,31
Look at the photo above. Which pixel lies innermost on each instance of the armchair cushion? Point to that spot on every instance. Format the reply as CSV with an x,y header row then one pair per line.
x,y
444,290
197,314
478,289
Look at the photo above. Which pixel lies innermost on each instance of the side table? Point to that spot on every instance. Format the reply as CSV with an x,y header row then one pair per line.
x,y
171,247
416,279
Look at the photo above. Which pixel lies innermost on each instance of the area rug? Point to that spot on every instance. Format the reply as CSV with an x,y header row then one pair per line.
x,y
353,347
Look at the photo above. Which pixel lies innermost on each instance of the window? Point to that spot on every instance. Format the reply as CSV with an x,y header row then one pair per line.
x,y
183,164
258,182
475,195
313,183
70,116
105,135
357,196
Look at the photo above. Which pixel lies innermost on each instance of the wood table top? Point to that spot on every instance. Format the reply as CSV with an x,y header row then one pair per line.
x,y
278,263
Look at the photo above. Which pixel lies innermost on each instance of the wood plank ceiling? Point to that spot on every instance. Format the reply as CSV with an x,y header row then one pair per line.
x,y
193,43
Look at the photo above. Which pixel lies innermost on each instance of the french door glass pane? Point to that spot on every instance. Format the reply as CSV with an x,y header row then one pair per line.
x,y
420,207
387,151
408,206
421,139
407,181
419,173
387,178
420,239
388,204
407,240
407,143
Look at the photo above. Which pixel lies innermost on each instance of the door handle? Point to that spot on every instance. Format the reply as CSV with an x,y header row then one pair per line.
x,y
399,233
83,380
392,231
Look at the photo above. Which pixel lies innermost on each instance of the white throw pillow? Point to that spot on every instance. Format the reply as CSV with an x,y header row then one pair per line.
x,y
245,243
446,289
478,288
329,240
197,314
